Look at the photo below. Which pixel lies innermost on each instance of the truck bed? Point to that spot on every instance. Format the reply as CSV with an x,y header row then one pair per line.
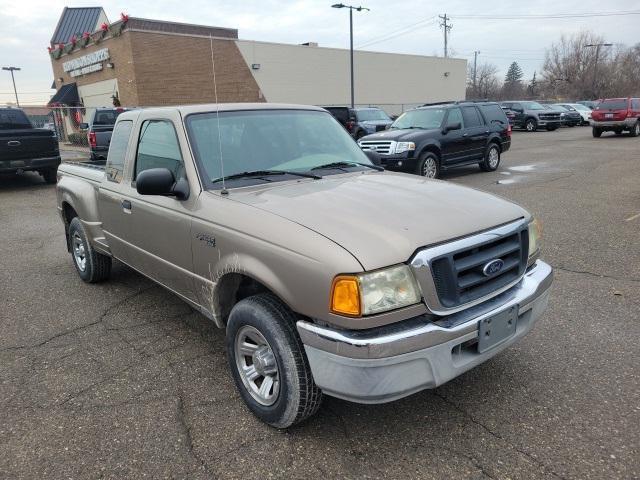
x,y
92,171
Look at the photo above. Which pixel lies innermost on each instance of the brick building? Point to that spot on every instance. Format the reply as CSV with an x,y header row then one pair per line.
x,y
142,62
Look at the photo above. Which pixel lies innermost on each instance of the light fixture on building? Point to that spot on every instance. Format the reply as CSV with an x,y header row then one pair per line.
x,y
109,65
446,74
255,66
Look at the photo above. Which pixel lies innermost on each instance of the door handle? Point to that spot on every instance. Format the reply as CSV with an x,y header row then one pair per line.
x,y
126,204
13,143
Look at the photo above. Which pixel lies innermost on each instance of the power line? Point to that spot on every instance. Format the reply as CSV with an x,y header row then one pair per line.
x,y
399,32
549,16
446,29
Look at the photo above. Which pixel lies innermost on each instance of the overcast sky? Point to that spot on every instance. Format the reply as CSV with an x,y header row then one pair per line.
x,y
26,27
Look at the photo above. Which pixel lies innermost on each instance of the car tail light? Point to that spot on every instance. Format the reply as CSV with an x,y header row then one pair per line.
x,y
509,130
92,139
350,125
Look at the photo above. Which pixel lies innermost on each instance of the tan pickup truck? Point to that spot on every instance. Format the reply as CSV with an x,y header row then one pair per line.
x,y
328,274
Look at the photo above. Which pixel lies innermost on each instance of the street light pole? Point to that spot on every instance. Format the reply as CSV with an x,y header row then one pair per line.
x,y
595,66
12,69
351,9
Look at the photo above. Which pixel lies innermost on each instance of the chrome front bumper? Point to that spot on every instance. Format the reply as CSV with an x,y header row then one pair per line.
x,y
386,363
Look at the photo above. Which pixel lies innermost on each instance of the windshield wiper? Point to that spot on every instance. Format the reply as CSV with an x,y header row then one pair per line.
x,y
265,173
347,164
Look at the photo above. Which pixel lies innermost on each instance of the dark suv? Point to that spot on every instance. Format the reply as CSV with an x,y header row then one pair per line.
x,y
430,139
532,115
361,121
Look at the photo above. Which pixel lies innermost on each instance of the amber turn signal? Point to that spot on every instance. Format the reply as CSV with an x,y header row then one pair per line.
x,y
345,296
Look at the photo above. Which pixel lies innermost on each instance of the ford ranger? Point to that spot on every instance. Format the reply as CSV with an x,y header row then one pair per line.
x,y
328,274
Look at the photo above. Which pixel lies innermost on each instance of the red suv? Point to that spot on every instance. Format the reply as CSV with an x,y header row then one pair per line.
x,y
616,115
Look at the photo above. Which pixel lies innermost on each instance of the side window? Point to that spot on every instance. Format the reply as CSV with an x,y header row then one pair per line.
x,y
118,150
471,117
517,106
455,116
158,147
635,104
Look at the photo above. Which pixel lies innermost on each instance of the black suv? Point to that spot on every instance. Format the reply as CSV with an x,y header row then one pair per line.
x,y
533,115
361,121
433,138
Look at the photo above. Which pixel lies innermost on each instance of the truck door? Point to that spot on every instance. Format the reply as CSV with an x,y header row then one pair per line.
x,y
153,231
453,142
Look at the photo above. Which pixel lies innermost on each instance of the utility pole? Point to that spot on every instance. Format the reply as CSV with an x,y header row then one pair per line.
x,y
475,70
13,69
595,66
447,28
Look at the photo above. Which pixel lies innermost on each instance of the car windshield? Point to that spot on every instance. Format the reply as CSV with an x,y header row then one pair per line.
x,y
613,104
558,107
270,140
106,117
427,118
13,119
579,106
372,114
532,106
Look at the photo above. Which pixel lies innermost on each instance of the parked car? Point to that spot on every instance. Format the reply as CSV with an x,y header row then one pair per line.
x,y
511,115
328,274
429,140
570,118
99,130
25,148
533,115
589,103
584,111
361,121
616,115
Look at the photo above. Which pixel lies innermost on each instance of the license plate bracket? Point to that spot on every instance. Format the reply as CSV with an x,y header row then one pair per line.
x,y
497,328
608,115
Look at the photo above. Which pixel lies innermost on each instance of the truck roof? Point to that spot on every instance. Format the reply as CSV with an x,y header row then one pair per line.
x,y
222,107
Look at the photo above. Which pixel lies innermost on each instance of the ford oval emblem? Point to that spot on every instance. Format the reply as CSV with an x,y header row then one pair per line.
x,y
493,267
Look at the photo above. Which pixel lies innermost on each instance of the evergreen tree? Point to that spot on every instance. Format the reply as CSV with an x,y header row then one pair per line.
x,y
514,74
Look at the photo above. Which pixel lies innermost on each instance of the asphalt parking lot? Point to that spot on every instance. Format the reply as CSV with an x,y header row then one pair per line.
x,y
123,380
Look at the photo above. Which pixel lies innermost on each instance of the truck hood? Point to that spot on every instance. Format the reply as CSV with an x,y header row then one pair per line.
x,y
402,135
382,218
375,123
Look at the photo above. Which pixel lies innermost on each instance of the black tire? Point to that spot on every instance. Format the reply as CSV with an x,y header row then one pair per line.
x,y
96,266
50,175
298,396
428,165
596,132
551,128
488,164
360,134
635,130
531,125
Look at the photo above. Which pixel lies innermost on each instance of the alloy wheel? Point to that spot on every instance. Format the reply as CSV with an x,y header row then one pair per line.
x,y
79,253
257,365
429,168
494,157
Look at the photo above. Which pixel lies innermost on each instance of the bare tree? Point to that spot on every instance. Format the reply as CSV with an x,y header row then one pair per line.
x,y
487,82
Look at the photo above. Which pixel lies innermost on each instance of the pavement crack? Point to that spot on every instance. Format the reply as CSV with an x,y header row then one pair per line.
x,y
597,275
186,431
494,434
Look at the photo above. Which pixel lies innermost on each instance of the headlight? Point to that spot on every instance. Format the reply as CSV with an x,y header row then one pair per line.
x,y
374,292
402,147
535,240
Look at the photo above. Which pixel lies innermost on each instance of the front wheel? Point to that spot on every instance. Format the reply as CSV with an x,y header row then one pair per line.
x,y
596,132
429,165
91,266
635,130
531,125
491,158
268,362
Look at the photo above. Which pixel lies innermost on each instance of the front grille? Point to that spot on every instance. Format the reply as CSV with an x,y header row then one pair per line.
x,y
383,147
459,278
549,116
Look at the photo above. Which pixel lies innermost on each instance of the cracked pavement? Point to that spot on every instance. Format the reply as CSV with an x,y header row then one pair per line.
x,y
123,380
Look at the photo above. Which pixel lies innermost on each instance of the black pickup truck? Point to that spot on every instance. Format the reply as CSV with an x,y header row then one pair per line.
x,y
24,148
99,130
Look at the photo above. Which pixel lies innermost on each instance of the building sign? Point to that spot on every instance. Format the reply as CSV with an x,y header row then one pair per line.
x,y
87,63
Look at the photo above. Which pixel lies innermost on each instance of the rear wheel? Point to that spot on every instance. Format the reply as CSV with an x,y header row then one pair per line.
x,y
429,165
268,362
531,125
50,175
596,132
491,158
91,266
635,130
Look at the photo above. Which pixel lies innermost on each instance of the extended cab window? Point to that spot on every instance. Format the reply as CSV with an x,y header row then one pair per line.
x,y
158,147
117,151
471,117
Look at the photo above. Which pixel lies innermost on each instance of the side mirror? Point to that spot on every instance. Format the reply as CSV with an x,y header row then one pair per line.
x,y
373,156
83,127
452,126
160,181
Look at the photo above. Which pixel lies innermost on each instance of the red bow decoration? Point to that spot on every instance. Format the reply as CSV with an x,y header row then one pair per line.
x,y
61,46
86,35
124,17
50,49
104,27
73,39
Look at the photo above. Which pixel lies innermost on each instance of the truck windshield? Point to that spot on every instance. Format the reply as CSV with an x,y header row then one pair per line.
x,y
372,115
106,117
13,119
261,140
427,118
532,106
